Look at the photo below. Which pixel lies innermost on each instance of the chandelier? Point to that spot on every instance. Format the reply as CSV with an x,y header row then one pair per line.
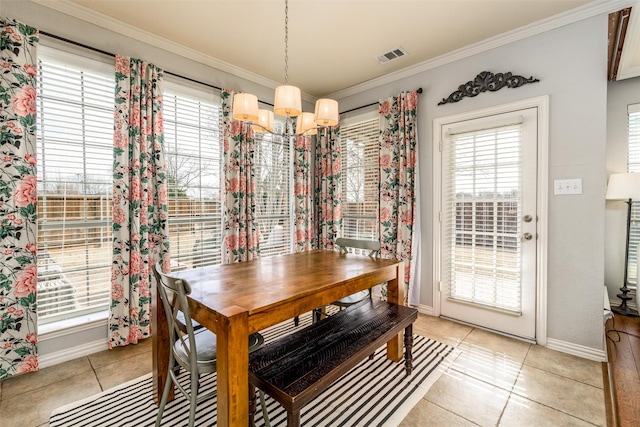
x,y
287,103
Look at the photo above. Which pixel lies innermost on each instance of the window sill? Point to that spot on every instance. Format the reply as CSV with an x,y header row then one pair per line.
x,y
75,324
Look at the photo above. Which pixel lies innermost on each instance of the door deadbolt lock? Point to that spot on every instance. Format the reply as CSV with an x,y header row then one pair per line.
x,y
527,218
527,236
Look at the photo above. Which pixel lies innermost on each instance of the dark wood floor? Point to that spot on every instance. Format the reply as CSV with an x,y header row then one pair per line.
x,y
622,372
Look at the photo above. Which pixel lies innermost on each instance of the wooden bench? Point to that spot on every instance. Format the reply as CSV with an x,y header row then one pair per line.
x,y
295,369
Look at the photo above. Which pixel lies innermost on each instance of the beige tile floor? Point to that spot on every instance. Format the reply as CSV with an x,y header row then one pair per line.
x,y
494,381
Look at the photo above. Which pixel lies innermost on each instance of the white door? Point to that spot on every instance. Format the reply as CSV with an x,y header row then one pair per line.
x,y
488,221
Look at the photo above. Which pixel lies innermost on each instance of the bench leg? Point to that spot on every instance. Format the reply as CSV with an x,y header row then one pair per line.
x,y
293,419
408,345
252,405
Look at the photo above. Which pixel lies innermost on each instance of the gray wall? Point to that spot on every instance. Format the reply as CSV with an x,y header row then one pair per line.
x,y
620,94
571,64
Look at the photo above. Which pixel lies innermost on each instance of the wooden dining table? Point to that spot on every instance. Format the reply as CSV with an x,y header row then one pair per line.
x,y
236,300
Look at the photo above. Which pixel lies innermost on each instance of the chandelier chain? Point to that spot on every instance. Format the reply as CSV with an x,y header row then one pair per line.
x,y
286,41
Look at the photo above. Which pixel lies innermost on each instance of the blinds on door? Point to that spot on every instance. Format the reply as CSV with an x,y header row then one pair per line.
x,y
482,193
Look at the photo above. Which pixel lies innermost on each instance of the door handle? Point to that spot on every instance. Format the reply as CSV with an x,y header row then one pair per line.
x,y
527,236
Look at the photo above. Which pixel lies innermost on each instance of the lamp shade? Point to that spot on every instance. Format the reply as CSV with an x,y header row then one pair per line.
x,y
265,121
624,186
245,107
288,101
326,112
306,125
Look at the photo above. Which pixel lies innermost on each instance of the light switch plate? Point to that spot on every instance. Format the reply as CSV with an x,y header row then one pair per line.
x,y
562,187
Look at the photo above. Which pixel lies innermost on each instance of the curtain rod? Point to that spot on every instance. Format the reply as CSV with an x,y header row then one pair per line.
x,y
419,90
104,52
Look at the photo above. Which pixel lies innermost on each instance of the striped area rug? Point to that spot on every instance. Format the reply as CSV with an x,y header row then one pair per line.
x,y
375,393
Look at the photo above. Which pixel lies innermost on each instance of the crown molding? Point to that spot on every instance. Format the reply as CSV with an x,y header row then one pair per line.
x,y
590,10
585,12
95,18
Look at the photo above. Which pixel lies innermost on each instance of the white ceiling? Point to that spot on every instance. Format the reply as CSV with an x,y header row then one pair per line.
x,y
332,43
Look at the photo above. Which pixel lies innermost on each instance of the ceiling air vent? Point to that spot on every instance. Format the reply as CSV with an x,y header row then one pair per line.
x,y
391,55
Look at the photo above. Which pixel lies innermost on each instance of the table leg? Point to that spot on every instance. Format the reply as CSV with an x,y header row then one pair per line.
x,y
395,294
233,370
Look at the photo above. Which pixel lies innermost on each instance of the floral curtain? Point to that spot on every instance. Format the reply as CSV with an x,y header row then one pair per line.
x,y
328,177
240,225
18,198
398,154
140,211
304,226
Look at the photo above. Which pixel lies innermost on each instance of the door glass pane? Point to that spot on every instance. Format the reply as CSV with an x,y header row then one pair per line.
x,y
484,201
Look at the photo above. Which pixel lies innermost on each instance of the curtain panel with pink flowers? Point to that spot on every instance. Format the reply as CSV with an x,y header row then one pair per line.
x,y
398,154
240,225
18,198
304,223
328,187
140,211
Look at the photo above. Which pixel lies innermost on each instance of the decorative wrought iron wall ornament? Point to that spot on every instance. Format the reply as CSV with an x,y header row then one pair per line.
x,y
487,81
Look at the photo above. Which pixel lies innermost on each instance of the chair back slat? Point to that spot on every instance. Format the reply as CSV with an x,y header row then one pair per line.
x,y
346,244
173,293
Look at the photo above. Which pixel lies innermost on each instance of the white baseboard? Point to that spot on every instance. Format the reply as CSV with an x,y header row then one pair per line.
x,y
553,344
577,350
425,309
65,355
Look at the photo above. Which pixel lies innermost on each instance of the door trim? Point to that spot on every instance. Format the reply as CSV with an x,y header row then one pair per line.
x,y
542,170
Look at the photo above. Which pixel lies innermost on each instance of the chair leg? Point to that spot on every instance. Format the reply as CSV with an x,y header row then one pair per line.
x,y
165,395
193,399
296,321
265,412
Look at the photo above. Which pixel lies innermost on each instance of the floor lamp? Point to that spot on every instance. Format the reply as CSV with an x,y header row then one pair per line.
x,y
625,186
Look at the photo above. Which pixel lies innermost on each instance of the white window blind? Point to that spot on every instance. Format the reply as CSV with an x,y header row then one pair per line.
x,y
633,165
75,157
482,194
360,178
273,163
193,155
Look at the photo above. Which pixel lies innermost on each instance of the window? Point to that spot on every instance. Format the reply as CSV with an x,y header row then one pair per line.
x,y
75,160
273,177
193,155
633,165
359,148
75,156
